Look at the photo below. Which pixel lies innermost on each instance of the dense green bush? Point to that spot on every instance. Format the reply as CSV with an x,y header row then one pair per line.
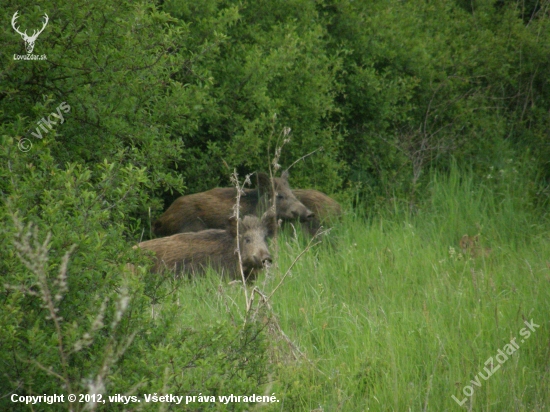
x,y
90,185
387,89
84,325
426,81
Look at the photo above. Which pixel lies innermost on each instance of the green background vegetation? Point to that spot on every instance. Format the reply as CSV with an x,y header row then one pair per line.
x,y
433,119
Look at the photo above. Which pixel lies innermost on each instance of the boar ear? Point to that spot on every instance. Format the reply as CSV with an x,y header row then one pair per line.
x,y
232,223
284,176
264,182
269,220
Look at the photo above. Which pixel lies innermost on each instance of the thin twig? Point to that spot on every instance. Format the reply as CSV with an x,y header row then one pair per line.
x,y
303,157
309,246
236,213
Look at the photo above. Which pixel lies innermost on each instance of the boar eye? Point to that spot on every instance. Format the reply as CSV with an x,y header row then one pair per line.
x,y
247,240
280,197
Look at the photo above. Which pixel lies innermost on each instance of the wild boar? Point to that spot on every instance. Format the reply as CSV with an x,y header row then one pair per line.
x,y
191,253
210,209
325,208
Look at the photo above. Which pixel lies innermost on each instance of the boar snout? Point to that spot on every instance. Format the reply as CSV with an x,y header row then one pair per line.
x,y
262,259
304,215
259,260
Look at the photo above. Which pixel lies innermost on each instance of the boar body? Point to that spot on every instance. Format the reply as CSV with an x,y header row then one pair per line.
x,y
325,208
191,253
210,209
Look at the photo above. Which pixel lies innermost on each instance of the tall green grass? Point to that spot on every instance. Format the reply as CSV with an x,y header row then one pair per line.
x,y
391,315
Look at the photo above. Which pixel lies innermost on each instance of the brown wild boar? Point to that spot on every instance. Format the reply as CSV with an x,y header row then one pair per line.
x,y
191,253
210,209
325,208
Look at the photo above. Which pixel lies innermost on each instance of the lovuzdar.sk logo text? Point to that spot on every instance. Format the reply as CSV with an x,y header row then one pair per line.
x,y
29,40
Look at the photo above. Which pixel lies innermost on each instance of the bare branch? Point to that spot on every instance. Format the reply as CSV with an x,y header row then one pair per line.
x,y
309,246
236,212
303,157
35,257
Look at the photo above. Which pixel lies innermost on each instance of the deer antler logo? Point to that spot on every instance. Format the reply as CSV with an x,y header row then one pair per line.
x,y
29,40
